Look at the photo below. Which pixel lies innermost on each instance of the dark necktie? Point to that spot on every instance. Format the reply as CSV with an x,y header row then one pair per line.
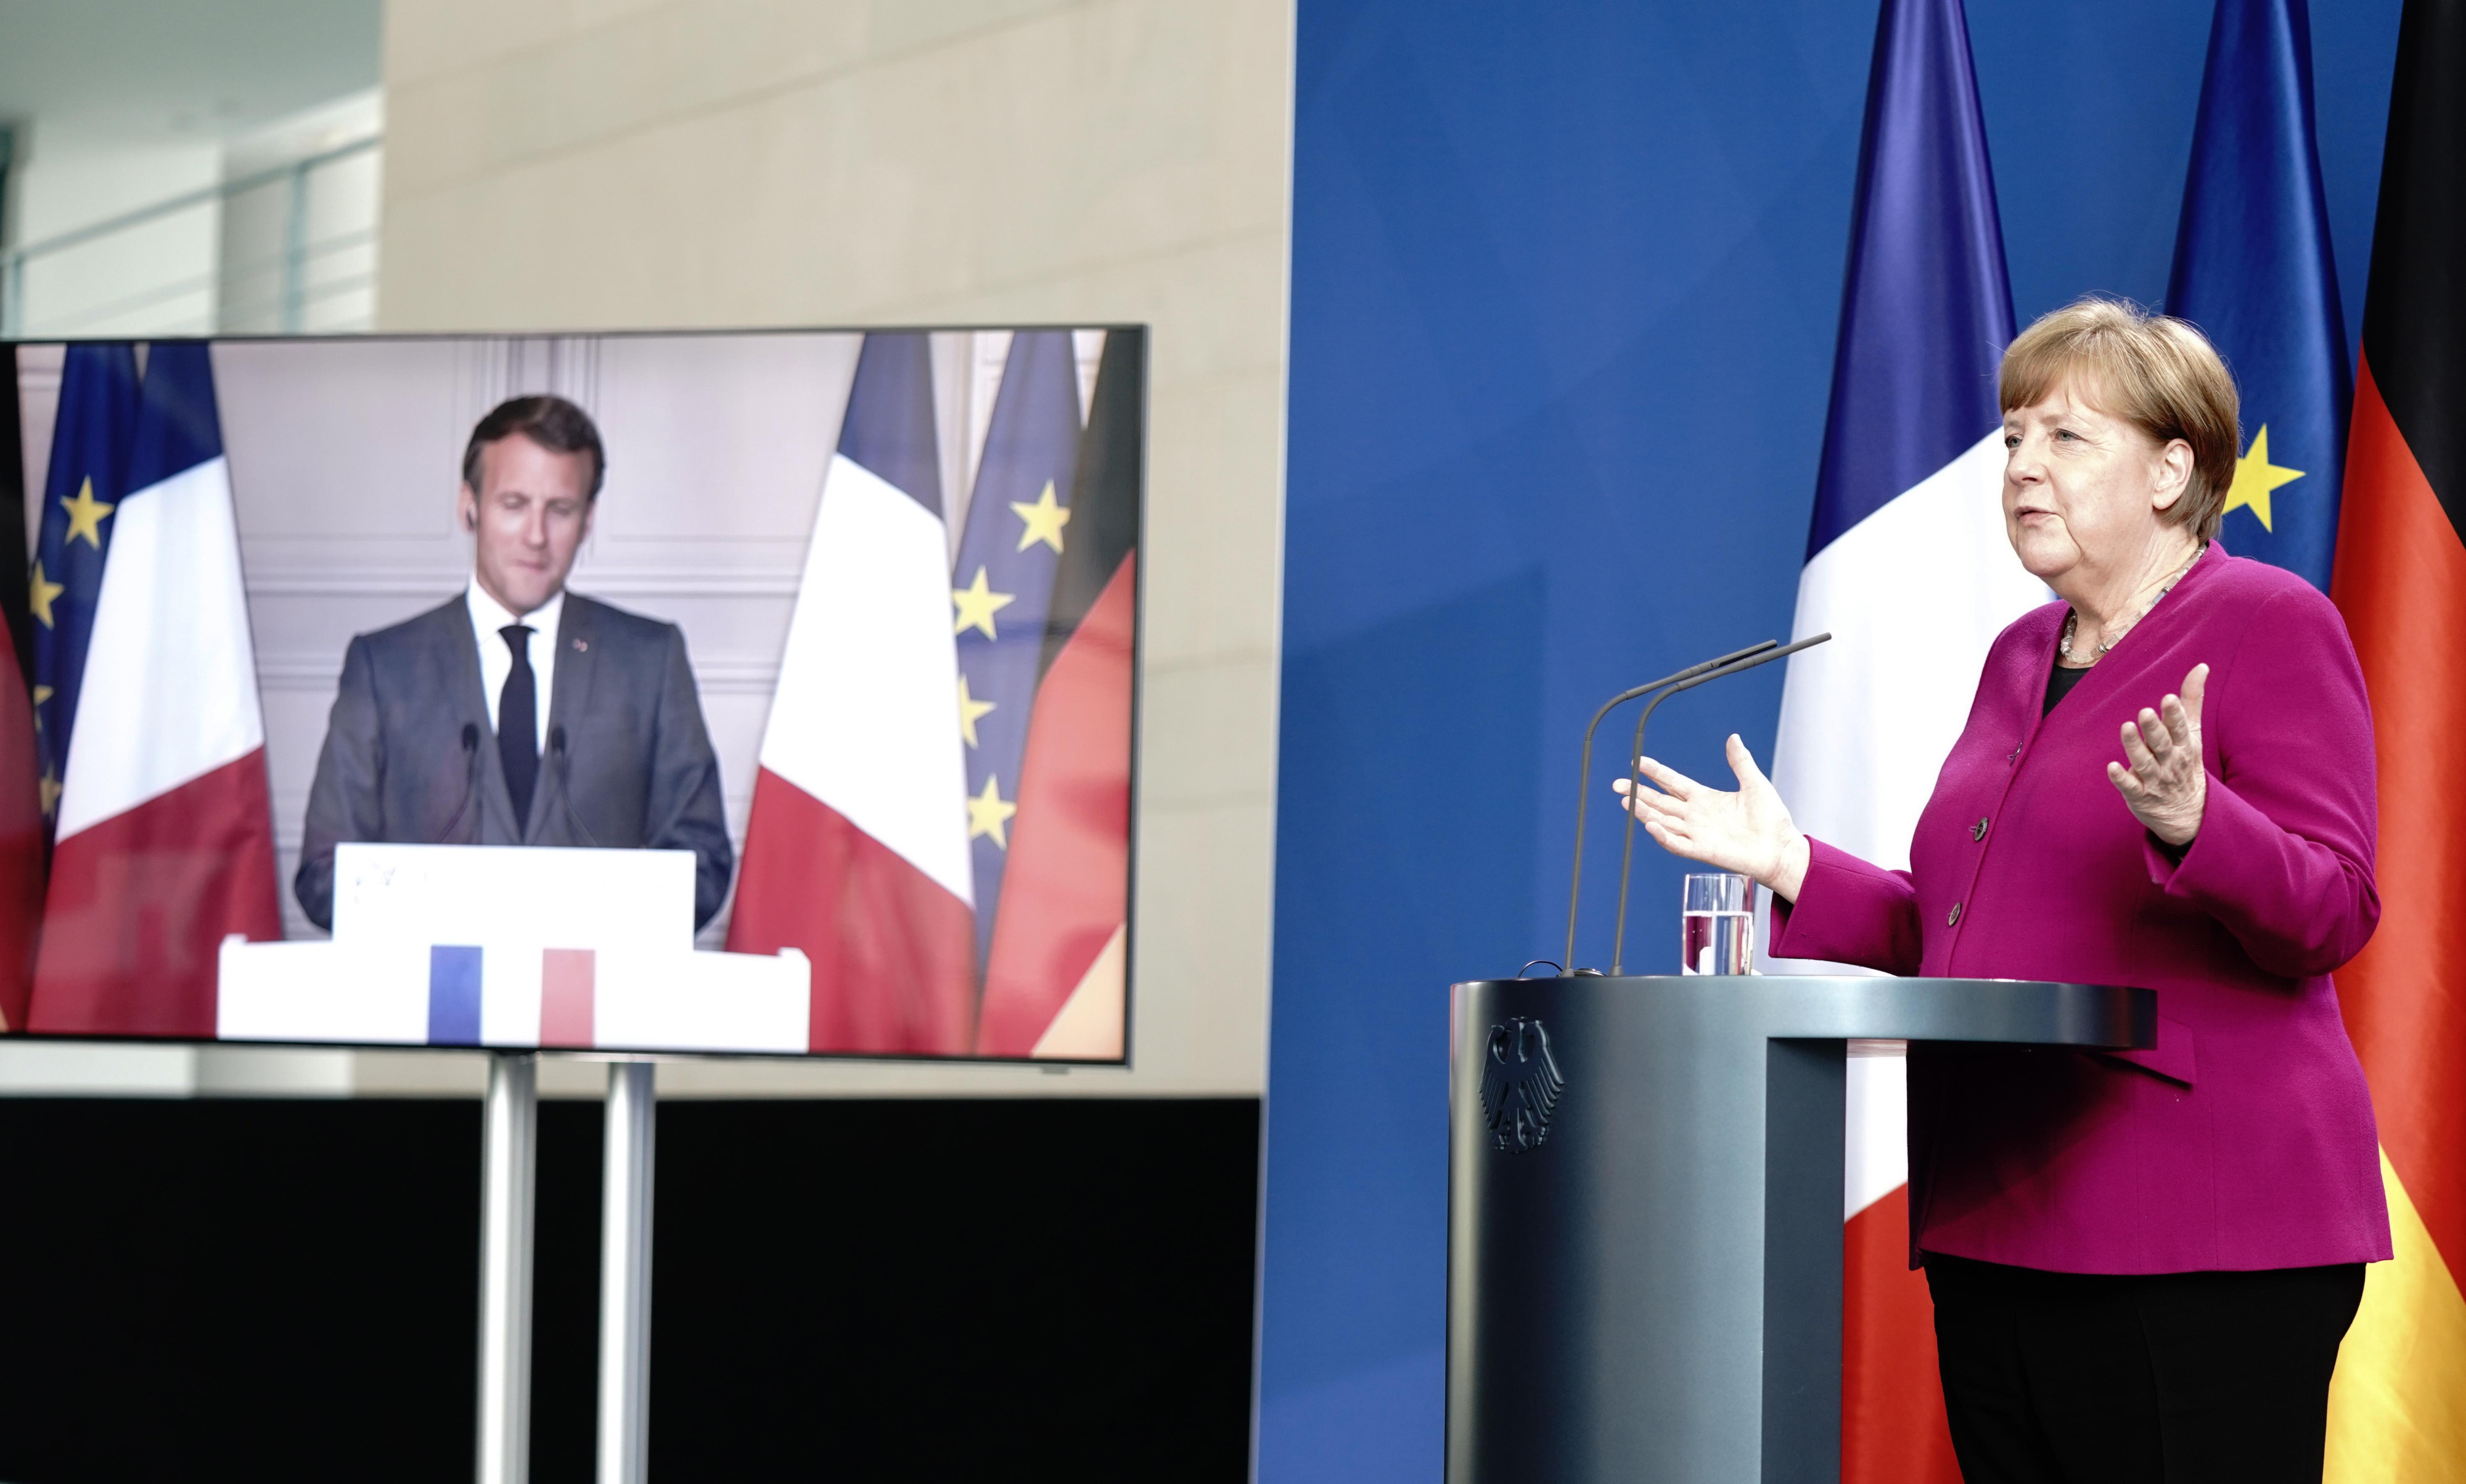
x,y
518,724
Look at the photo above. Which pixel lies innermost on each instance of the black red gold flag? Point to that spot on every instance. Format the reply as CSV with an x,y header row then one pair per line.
x,y
2398,1407
21,813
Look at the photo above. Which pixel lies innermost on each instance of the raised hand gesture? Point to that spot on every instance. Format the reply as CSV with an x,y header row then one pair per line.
x,y
1748,831
2165,787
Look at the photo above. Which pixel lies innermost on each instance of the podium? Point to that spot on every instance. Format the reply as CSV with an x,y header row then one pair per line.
x,y
1644,1211
513,948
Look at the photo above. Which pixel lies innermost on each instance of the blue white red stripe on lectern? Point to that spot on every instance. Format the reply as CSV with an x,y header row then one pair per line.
x,y
569,1011
454,995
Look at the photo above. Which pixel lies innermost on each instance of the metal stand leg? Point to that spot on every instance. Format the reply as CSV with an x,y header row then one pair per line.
x,y
625,1276
509,1142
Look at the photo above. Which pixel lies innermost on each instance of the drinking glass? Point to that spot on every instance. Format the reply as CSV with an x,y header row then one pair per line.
x,y
1717,924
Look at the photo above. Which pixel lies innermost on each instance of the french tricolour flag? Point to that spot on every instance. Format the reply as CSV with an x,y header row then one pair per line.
x,y
857,849
145,695
1909,568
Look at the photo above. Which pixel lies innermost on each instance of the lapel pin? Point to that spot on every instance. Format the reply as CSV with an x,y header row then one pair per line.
x,y
581,645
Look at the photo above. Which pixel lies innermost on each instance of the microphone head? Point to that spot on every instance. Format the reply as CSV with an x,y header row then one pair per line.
x,y
556,738
470,736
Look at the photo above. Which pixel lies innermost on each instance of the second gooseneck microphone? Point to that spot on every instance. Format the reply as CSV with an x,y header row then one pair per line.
x,y
565,785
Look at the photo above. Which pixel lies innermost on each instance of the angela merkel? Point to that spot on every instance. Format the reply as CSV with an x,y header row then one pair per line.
x,y
2143,1262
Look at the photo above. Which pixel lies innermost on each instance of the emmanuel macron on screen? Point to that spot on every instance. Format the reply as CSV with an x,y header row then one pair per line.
x,y
518,713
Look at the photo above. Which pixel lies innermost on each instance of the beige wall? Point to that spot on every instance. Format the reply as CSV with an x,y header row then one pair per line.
x,y
603,164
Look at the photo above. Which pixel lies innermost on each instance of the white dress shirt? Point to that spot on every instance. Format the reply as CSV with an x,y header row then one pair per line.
x,y
497,662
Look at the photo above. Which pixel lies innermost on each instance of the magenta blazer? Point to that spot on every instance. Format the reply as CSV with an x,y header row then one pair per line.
x,y
2245,1139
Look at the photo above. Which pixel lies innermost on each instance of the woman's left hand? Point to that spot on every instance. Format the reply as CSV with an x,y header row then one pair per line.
x,y
2165,787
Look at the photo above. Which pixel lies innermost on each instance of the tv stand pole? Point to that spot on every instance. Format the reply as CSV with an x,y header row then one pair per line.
x,y
510,1145
625,1275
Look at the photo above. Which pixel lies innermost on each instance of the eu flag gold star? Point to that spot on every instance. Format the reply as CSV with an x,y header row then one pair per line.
x,y
51,788
969,708
987,813
978,604
2256,477
40,595
85,517
42,693
1045,520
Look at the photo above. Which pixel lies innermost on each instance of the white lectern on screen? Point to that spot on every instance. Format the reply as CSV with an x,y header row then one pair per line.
x,y
516,948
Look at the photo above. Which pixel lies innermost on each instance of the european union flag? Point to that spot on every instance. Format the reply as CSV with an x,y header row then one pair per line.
x,y
1017,526
90,443
2253,270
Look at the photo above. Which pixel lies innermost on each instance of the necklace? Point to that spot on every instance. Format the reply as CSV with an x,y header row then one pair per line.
x,y
2071,620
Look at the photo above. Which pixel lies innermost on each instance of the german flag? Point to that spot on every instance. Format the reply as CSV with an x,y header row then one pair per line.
x,y
1057,980
2397,1409
21,811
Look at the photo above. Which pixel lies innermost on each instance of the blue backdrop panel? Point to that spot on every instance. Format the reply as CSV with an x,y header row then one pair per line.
x,y
1565,284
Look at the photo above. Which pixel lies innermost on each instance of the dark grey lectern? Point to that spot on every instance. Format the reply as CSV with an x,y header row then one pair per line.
x,y
1644,1224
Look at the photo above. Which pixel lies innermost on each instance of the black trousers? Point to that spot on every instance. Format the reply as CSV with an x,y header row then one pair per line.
x,y
2061,1378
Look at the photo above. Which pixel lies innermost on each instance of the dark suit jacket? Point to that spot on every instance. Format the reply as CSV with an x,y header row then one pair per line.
x,y
637,769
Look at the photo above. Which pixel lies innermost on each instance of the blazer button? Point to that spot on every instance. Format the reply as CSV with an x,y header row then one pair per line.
x,y
1952,919
1977,831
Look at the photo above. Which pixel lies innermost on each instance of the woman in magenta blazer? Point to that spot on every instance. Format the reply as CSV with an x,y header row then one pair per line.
x,y
2143,1262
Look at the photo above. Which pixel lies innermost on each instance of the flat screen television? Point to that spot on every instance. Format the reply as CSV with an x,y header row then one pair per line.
x,y
766,693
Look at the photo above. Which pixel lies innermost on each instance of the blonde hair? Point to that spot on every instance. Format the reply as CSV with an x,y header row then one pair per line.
x,y
2155,371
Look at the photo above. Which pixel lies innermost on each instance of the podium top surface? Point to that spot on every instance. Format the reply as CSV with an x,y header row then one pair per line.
x,y
2036,1012
614,901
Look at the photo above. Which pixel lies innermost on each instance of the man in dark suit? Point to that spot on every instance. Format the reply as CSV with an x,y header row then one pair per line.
x,y
519,713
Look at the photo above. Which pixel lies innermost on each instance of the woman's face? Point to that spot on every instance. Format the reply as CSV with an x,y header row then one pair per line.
x,y
2083,490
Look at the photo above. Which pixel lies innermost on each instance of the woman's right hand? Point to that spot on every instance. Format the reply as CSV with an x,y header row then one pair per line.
x,y
1749,832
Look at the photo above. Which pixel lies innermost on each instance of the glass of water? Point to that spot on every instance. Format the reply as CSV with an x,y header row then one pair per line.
x,y
1717,924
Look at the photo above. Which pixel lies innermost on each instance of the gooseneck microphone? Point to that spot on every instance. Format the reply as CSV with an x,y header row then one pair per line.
x,y
1635,769
565,783
470,782
1688,679
1584,772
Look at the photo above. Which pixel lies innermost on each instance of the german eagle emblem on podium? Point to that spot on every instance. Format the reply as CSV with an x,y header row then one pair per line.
x,y
1520,1084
